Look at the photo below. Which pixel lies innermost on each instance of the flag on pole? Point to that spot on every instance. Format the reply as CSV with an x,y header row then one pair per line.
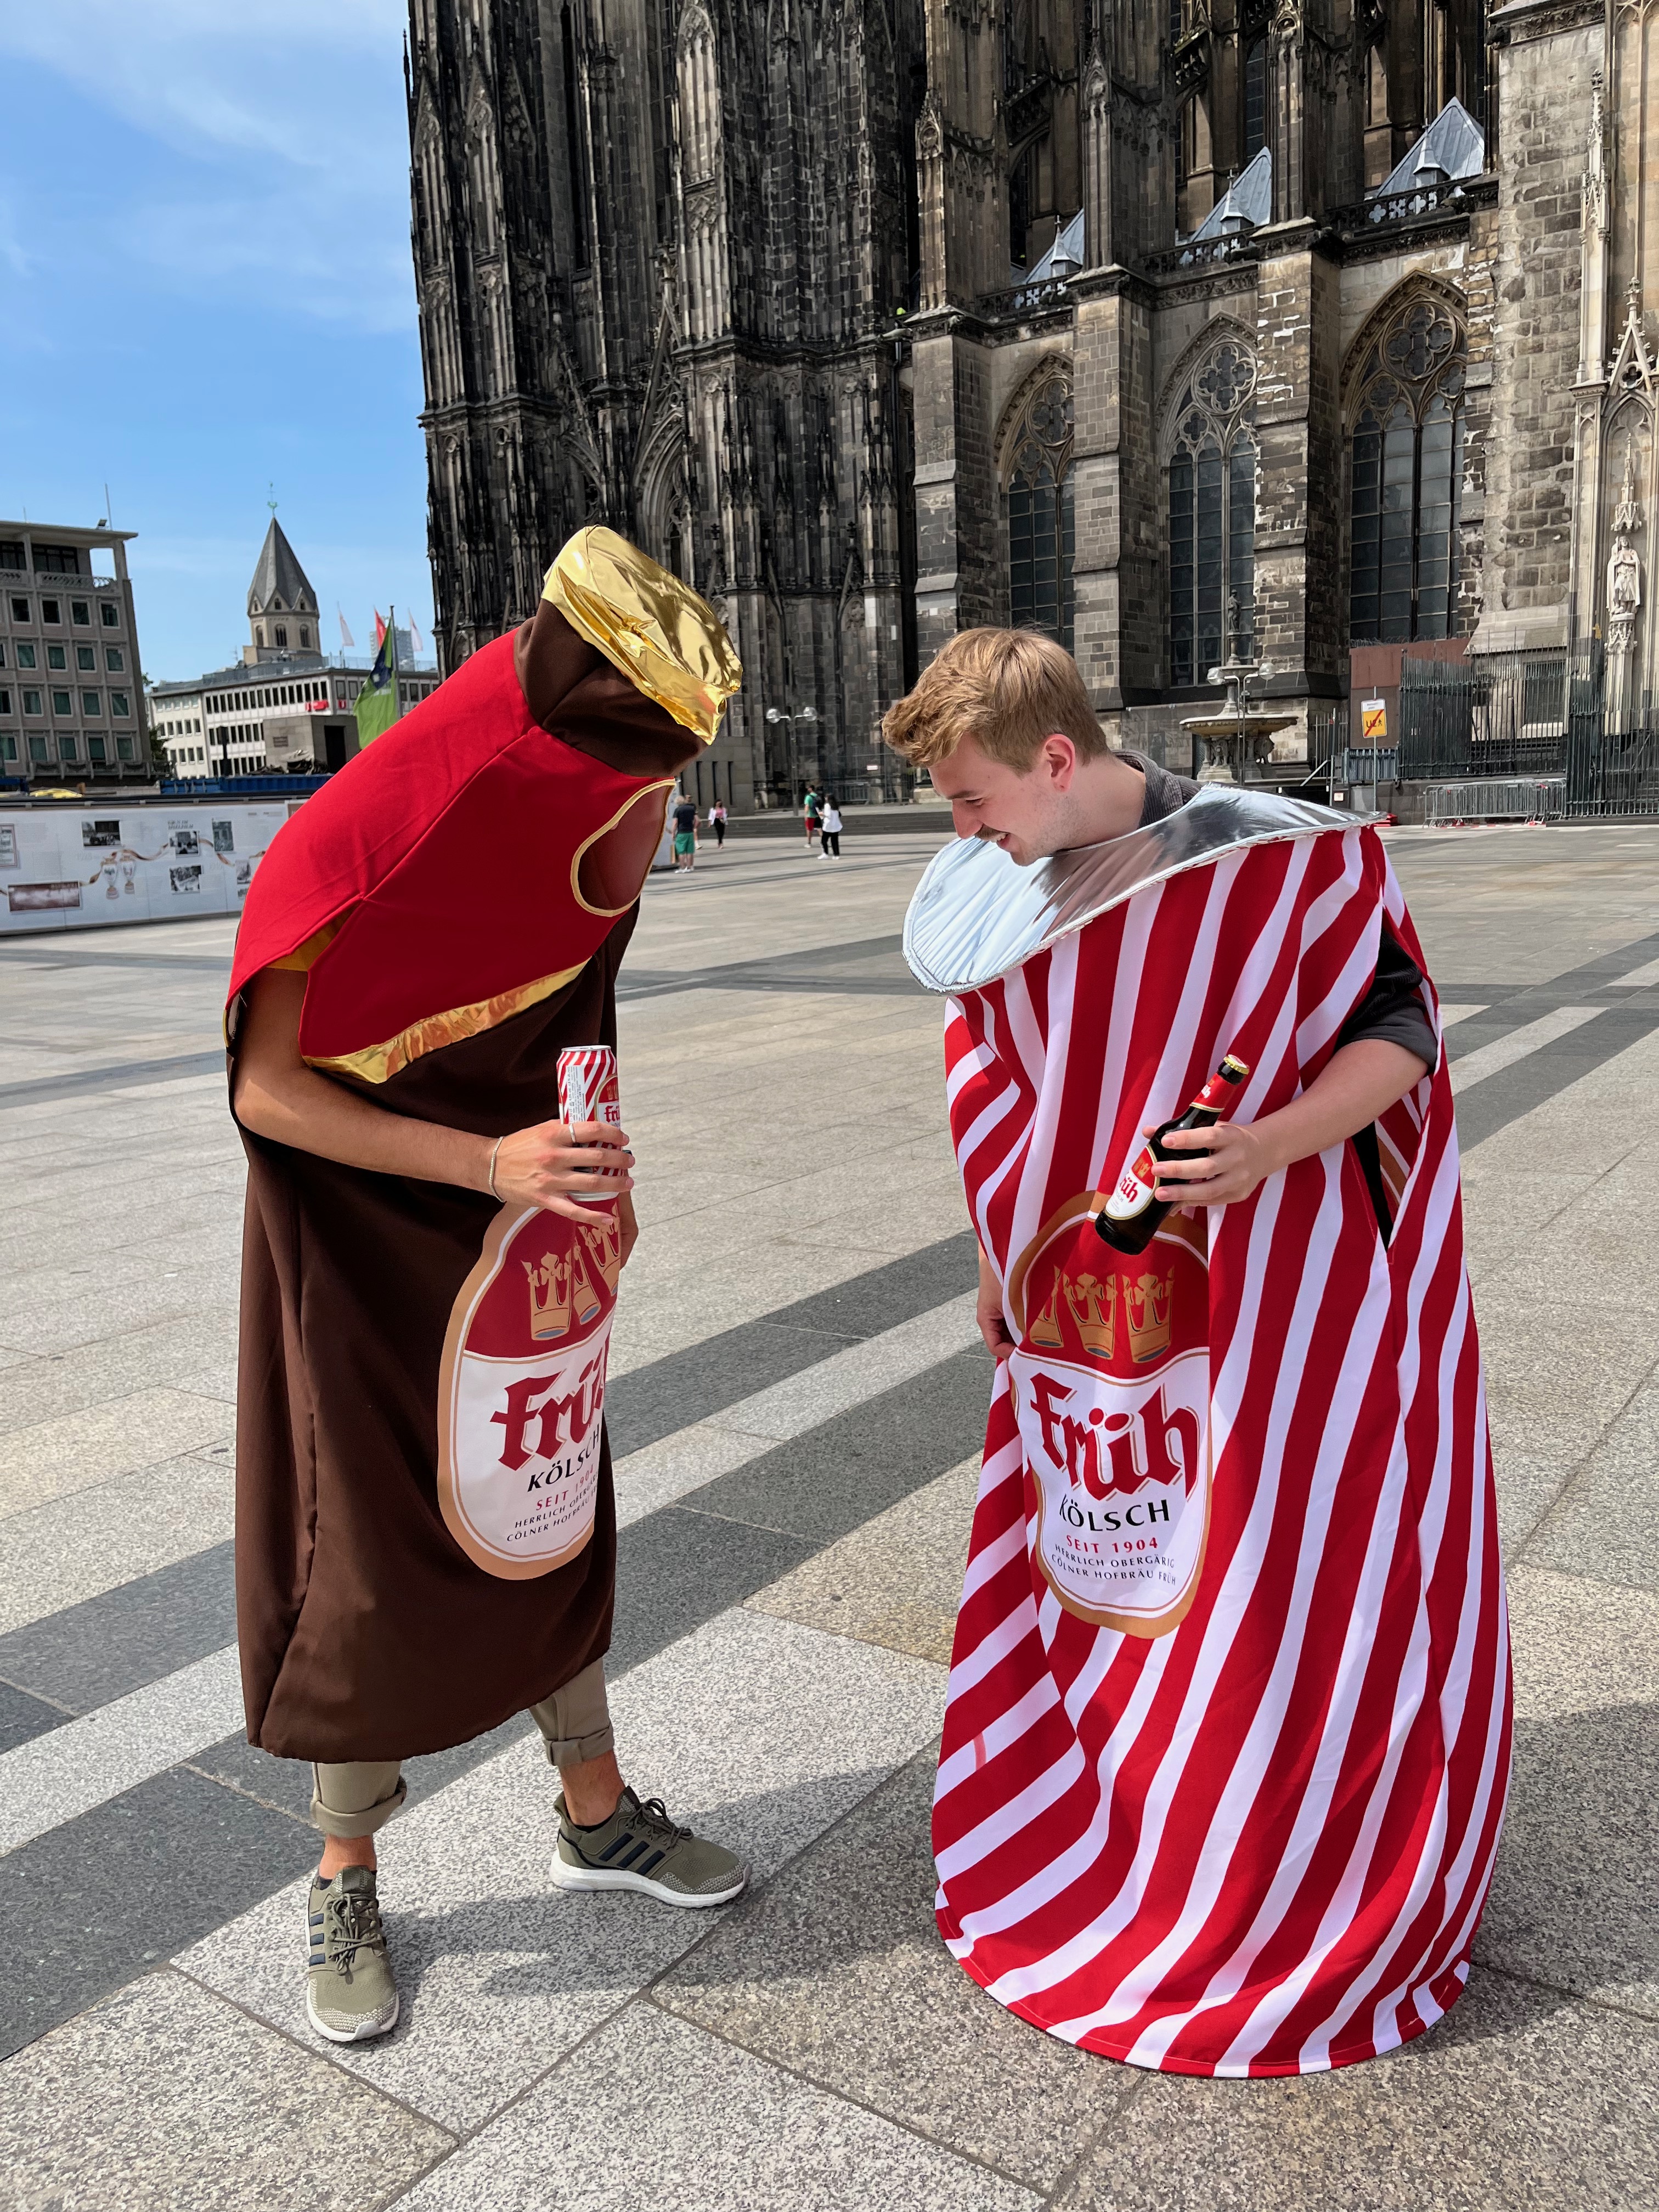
x,y
377,703
379,630
415,644
346,639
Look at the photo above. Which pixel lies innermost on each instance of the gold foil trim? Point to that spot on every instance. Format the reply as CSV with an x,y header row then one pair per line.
x,y
639,797
376,1063
666,640
304,958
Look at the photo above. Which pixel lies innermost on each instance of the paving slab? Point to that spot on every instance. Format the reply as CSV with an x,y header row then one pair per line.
x,y
659,1473
79,1451
1503,1208
88,1906
129,1635
1605,1522
61,1324
851,1378
76,1547
836,1970
897,1580
23,1717
1519,2098
675,1568
58,1775
654,2112
166,2099
501,1972
823,1484
1544,1420
930,1205
1572,1902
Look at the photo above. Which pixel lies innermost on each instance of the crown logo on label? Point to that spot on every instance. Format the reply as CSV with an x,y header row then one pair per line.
x,y
550,1295
1146,1305
1094,1302
1094,1309
566,1283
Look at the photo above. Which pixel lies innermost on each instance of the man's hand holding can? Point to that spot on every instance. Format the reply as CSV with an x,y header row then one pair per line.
x,y
564,1167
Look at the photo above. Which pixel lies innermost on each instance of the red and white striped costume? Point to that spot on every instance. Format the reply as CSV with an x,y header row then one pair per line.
x,y
1241,1819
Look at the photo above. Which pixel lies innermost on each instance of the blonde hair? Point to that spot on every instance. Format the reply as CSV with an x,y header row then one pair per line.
x,y
1008,690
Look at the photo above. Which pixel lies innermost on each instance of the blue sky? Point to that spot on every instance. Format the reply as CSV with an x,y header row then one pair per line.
x,y
206,288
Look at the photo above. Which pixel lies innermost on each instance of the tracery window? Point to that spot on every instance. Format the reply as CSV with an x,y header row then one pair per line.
x,y
1406,466
1039,507
1211,510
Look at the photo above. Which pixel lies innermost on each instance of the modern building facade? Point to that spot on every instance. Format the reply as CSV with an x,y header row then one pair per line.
x,y
285,707
71,690
1321,327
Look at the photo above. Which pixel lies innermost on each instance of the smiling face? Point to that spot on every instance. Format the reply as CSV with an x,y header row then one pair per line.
x,y
1028,812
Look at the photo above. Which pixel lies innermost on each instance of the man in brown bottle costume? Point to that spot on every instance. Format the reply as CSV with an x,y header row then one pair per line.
x,y
425,1525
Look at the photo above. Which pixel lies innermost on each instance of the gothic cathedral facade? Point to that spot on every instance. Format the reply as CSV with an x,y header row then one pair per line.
x,y
1313,329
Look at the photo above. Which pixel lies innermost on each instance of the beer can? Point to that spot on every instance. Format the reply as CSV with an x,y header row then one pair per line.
x,y
588,1092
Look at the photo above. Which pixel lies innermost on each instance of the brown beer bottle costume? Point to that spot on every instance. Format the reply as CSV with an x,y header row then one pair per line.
x,y
460,896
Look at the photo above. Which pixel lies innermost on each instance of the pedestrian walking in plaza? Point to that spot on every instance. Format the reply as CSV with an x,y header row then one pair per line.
x,y
813,810
829,827
1227,1737
684,814
426,967
717,823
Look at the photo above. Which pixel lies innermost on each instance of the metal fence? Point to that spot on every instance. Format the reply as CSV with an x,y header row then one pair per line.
x,y
242,786
1328,733
1519,799
1528,717
1372,764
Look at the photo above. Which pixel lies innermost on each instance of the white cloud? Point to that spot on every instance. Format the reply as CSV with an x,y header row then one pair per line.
x,y
258,76
288,121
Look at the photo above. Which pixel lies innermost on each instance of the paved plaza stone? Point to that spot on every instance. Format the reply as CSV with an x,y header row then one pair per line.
x,y
798,1402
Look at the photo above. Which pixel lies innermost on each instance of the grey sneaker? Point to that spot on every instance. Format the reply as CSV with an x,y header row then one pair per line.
x,y
638,1847
350,1993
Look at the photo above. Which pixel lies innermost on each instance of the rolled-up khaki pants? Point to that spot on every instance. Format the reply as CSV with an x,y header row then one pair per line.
x,y
354,1797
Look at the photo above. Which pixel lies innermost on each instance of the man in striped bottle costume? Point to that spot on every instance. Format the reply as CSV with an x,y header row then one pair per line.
x,y
1228,1731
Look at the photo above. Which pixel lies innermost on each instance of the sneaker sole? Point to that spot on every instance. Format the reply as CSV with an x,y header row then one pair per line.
x,y
566,1876
365,2031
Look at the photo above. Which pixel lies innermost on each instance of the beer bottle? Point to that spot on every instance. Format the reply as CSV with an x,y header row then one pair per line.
x,y
1130,1218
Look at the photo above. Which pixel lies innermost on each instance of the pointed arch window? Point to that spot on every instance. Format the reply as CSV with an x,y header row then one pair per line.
x,y
1255,98
1212,509
1406,470
572,142
1039,509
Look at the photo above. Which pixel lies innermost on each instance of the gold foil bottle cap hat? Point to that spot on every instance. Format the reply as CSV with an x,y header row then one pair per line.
x,y
647,623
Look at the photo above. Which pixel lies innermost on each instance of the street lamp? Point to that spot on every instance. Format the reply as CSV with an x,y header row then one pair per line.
x,y
799,714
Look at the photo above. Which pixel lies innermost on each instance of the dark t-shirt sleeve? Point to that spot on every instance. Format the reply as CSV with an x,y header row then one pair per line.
x,y
1392,1012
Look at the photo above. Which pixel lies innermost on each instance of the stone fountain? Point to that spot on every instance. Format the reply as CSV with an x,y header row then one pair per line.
x,y
1239,736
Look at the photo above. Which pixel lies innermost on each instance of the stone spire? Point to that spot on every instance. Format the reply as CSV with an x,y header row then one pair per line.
x,y
282,607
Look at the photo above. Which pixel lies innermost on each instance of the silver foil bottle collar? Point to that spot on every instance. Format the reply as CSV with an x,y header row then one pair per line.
x,y
975,916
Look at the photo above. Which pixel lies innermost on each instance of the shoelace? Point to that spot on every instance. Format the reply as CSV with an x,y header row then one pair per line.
x,y
655,1815
350,1924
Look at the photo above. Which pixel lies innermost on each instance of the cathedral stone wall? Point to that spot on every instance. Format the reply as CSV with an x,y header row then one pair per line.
x,y
770,291
1551,52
